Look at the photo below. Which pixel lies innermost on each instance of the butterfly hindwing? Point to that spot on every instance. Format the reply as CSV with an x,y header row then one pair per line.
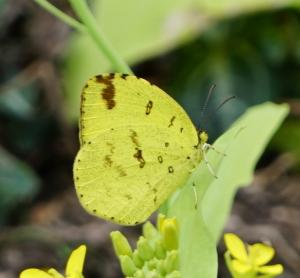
x,y
137,147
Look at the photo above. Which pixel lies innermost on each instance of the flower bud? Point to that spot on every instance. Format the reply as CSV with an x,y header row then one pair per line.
x,y
120,244
171,262
160,251
138,261
174,274
152,274
169,231
149,231
160,219
139,274
161,268
127,265
145,251
152,264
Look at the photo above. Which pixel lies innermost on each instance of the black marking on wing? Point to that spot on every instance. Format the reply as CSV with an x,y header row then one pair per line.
x,y
124,75
172,121
171,169
139,156
149,107
109,92
121,171
128,196
108,161
134,138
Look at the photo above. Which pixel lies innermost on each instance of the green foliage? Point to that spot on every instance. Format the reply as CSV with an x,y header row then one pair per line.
x,y
18,103
201,228
150,28
17,183
253,57
288,138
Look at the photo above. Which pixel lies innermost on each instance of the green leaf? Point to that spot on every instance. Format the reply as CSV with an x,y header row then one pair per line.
x,y
200,228
243,144
197,249
17,183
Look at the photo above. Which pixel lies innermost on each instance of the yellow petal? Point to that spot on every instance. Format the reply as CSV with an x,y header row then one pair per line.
x,y
240,267
260,254
54,273
271,269
34,273
228,261
236,247
76,261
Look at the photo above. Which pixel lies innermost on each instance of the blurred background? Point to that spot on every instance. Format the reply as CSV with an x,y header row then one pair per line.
x,y
250,49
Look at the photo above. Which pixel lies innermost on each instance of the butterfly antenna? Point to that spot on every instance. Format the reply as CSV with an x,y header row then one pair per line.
x,y
212,87
225,101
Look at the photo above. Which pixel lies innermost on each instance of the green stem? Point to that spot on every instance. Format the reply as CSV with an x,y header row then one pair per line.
x,y
83,12
62,16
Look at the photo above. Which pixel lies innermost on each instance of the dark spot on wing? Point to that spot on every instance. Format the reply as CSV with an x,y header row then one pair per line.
x,y
108,93
181,129
149,107
108,161
139,156
122,173
188,157
124,75
111,147
171,169
128,196
167,144
81,195
172,121
94,210
155,199
160,159
134,138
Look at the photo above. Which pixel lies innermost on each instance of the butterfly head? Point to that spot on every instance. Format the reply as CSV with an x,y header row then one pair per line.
x,y
202,138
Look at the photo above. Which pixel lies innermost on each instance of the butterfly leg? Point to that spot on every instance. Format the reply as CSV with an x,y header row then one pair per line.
x,y
207,146
209,166
196,196
204,149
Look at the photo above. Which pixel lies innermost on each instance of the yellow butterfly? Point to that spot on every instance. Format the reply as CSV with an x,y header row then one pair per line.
x,y
137,147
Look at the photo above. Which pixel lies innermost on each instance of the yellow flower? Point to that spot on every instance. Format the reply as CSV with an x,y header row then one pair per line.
x,y
169,229
249,261
73,269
